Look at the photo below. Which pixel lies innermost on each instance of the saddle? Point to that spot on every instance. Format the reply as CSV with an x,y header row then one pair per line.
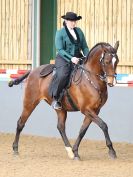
x,y
47,70
50,68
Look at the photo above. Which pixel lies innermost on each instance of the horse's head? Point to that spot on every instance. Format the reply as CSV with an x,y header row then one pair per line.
x,y
109,61
104,61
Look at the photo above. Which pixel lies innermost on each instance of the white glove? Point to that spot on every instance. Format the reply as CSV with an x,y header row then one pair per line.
x,y
75,60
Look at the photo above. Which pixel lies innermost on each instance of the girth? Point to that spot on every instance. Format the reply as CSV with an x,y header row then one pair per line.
x,y
70,101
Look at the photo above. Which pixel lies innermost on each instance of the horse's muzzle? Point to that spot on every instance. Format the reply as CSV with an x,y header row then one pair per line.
x,y
111,81
110,84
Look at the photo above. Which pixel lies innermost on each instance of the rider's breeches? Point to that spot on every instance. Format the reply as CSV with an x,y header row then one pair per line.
x,y
61,78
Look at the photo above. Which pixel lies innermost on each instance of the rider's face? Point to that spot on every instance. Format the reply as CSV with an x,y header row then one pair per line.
x,y
71,24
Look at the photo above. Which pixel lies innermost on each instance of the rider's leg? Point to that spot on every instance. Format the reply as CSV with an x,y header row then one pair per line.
x,y
63,70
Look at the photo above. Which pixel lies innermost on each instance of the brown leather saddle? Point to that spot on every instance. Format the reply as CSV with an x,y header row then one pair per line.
x,y
48,69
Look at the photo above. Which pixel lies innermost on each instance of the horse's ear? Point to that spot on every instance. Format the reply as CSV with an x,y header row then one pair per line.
x,y
116,45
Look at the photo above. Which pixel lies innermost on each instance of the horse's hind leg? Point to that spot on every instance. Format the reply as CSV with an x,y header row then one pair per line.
x,y
27,110
82,132
61,127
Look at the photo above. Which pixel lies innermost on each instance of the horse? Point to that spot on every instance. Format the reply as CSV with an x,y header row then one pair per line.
x,y
88,92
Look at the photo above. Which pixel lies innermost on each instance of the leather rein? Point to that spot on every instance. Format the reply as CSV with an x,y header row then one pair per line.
x,y
85,71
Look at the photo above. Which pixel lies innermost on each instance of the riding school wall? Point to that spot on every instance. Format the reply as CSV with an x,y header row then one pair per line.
x,y
102,21
117,113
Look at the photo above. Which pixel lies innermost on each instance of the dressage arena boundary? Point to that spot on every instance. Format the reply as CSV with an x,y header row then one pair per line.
x,y
123,80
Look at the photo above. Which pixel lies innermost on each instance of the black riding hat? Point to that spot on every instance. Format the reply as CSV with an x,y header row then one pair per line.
x,y
71,16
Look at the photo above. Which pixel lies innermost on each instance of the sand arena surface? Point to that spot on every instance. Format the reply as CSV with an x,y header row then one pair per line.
x,y
46,157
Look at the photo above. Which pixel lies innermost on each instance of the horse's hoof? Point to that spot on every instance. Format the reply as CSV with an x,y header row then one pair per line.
x,y
112,154
15,149
16,153
77,158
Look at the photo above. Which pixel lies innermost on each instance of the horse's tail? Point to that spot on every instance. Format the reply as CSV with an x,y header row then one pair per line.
x,y
18,80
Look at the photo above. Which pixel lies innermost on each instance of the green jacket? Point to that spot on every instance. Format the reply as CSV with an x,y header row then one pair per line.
x,y
66,48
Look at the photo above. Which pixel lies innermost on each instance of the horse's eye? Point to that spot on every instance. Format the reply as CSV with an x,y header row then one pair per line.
x,y
107,62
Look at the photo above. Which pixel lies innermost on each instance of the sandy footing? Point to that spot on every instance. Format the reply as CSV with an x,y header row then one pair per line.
x,y
46,157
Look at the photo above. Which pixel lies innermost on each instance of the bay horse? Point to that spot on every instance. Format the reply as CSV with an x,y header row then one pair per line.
x,y
88,91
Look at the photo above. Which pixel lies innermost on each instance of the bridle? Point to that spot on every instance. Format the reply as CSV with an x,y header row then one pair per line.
x,y
87,73
105,75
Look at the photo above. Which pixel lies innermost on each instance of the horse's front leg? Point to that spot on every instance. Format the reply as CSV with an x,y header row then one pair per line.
x,y
61,127
84,127
95,118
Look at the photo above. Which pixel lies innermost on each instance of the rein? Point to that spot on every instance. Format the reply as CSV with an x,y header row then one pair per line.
x,y
84,71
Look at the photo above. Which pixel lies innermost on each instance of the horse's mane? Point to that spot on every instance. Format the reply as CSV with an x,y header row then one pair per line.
x,y
100,43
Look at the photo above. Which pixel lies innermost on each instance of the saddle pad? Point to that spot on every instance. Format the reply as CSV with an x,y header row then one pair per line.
x,y
47,70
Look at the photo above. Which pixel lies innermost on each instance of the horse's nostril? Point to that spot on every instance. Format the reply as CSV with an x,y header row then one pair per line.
x,y
111,85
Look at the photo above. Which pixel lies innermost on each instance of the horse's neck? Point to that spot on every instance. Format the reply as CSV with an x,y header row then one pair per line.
x,y
93,61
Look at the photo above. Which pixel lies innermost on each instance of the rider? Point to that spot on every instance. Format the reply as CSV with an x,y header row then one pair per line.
x,y
69,42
